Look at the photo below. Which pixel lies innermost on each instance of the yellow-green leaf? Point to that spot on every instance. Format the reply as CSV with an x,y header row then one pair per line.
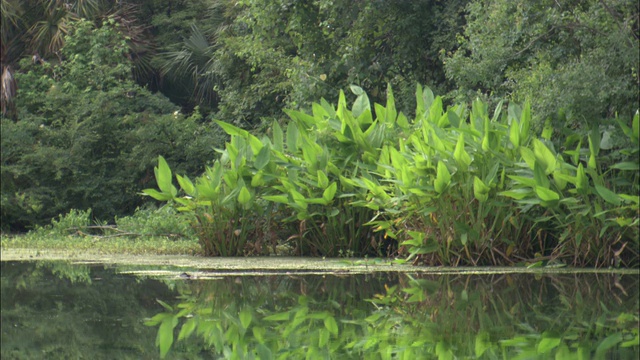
x,y
244,196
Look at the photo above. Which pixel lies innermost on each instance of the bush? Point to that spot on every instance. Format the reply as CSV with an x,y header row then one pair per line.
x,y
453,186
87,136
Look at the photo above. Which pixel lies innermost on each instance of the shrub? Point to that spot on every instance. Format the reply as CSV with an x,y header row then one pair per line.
x,y
453,186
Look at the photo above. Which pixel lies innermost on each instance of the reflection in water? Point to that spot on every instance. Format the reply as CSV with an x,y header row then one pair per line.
x,y
57,310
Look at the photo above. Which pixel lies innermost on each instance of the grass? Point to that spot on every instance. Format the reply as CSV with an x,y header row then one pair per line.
x,y
152,245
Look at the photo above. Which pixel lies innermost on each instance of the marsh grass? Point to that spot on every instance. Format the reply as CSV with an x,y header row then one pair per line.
x,y
155,245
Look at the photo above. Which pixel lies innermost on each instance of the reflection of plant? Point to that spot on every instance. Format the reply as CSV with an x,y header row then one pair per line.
x,y
423,317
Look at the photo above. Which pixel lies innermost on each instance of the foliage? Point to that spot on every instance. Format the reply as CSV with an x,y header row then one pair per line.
x,y
261,56
453,186
87,135
164,221
576,61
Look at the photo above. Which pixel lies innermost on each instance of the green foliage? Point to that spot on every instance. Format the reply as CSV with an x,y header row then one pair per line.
x,y
576,61
251,59
164,221
454,186
70,223
87,135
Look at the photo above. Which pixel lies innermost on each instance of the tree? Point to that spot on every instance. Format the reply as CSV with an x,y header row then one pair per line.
x,y
87,134
576,61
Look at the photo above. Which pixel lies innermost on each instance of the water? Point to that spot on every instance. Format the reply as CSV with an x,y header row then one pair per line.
x,y
58,310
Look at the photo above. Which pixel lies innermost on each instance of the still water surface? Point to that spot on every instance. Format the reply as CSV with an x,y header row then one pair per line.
x,y
59,310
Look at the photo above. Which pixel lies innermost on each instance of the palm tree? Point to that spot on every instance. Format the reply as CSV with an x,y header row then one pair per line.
x,y
194,66
37,28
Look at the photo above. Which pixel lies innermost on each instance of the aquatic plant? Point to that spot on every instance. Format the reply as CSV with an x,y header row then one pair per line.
x,y
450,186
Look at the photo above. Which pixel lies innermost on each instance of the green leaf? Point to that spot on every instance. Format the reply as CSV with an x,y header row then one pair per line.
x,y
540,176
292,137
514,134
544,156
525,122
483,343
582,182
245,317
626,165
528,156
547,344
157,195
609,342
527,181
278,137
164,339
460,154
443,351
264,155
329,193
186,185
165,305
546,194
480,189
244,196
356,90
608,195
443,178
283,199
517,194
187,329
331,325
547,130
361,104
163,177
257,179
323,180
231,129
323,337
264,352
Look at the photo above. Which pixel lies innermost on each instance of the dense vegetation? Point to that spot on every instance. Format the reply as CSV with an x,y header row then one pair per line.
x,y
94,91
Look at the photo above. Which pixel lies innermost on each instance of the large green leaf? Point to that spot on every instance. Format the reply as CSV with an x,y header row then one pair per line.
x,y
626,165
293,136
157,195
331,325
525,123
186,185
164,339
330,192
443,178
547,344
608,195
164,177
460,154
480,189
546,194
264,155
582,182
232,129
278,136
514,134
244,196
544,156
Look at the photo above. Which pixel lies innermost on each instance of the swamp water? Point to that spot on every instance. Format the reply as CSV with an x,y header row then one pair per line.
x,y
63,310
